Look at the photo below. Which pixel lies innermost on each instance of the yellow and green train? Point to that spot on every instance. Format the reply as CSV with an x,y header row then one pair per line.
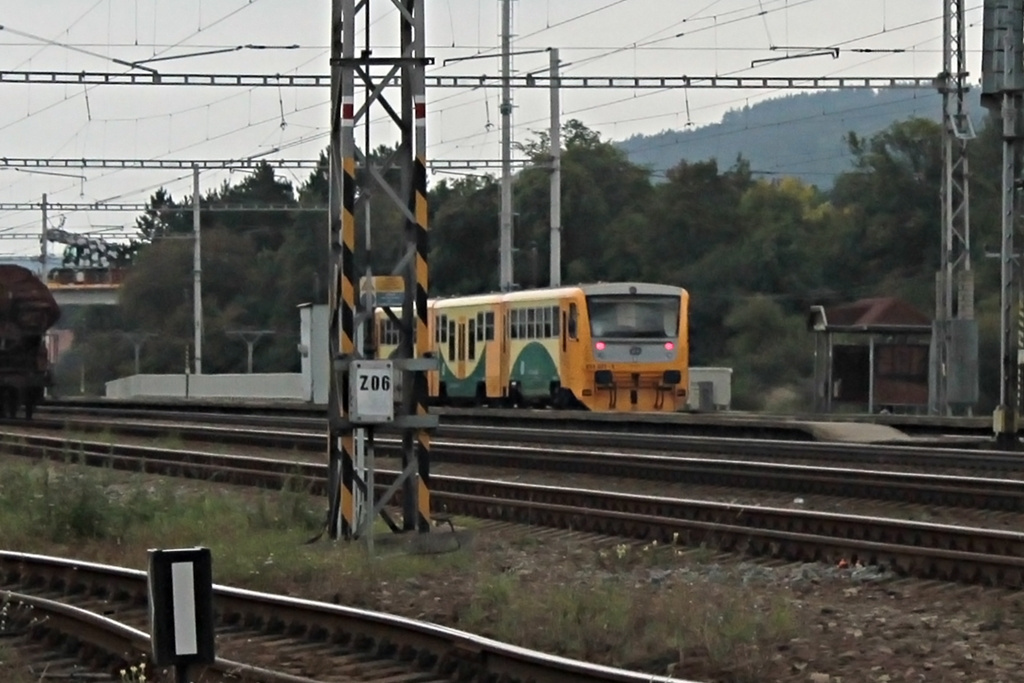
x,y
602,347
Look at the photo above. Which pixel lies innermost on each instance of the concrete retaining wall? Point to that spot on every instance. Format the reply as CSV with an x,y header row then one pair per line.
x,y
269,386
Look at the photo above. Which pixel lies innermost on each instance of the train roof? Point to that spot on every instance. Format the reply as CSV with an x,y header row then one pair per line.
x,y
545,293
548,293
595,289
471,300
606,288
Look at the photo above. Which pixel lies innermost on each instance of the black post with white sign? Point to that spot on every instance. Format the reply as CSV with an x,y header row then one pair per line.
x,y
181,608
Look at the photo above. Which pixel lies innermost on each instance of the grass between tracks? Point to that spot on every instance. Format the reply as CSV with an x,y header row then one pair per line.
x,y
607,606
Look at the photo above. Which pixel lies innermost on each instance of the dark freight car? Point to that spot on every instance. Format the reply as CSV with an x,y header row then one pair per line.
x,y
27,311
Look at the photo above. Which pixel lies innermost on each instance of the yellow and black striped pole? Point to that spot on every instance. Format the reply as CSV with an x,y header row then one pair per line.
x,y
422,289
419,208
347,309
341,299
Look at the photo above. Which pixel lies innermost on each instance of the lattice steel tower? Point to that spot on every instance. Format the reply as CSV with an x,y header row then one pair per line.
x,y
362,74
955,338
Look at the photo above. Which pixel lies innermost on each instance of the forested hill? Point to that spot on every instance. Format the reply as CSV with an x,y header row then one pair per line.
x,y
799,135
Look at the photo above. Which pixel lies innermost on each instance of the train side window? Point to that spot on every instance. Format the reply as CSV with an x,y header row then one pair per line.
x,y
387,332
564,327
513,323
554,321
473,331
547,322
573,323
452,337
489,326
531,323
478,326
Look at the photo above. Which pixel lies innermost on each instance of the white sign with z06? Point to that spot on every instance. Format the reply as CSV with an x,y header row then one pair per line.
x,y
371,392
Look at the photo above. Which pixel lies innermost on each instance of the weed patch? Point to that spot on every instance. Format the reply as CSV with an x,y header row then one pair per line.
x,y
622,605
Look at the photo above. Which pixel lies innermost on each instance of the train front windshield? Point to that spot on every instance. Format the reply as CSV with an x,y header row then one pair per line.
x,y
633,317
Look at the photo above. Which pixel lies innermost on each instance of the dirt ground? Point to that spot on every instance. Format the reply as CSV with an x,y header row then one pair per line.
x,y
691,613
760,621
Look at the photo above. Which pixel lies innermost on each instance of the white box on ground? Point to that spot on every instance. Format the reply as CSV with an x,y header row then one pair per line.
x,y
371,392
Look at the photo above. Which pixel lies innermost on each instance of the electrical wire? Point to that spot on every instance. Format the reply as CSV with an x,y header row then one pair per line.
x,y
453,105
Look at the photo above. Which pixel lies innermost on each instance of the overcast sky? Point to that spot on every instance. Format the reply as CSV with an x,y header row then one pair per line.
x,y
596,37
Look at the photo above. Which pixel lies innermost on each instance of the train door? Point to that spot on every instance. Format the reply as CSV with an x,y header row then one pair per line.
x,y
503,334
461,350
564,356
569,366
433,377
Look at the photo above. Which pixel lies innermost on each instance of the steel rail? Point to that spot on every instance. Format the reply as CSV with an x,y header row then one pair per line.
x,y
125,644
302,433
718,423
435,647
909,547
655,432
849,482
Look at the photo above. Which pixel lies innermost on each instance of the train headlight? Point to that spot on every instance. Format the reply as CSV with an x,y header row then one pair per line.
x,y
599,345
671,377
669,346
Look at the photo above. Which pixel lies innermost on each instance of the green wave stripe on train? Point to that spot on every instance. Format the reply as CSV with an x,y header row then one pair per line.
x,y
464,386
534,369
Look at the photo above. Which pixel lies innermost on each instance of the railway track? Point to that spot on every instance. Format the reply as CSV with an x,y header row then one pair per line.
x,y
97,611
921,488
910,548
719,424
308,433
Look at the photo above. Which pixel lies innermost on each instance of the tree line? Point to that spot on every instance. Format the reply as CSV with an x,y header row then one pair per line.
x,y
754,251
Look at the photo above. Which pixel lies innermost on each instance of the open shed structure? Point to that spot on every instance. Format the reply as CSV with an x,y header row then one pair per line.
x,y
872,354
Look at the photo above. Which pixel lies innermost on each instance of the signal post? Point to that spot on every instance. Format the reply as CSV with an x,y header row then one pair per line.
x,y
367,393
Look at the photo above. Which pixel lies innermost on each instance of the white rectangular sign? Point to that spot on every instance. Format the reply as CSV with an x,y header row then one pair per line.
x,y
371,392
183,589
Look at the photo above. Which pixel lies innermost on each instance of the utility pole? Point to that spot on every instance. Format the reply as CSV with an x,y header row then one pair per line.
x,y
137,339
555,279
1002,86
42,243
197,277
505,235
250,337
954,371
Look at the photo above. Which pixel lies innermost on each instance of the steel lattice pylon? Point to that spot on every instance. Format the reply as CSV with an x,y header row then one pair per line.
x,y
377,78
955,384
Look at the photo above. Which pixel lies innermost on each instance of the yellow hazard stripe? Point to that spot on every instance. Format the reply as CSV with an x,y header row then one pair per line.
x,y
347,312
422,335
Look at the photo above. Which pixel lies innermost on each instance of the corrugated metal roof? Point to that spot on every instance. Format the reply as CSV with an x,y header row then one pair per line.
x,y
865,314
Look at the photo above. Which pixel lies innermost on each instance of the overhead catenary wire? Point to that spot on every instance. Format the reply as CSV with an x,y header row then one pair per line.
x,y
457,102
